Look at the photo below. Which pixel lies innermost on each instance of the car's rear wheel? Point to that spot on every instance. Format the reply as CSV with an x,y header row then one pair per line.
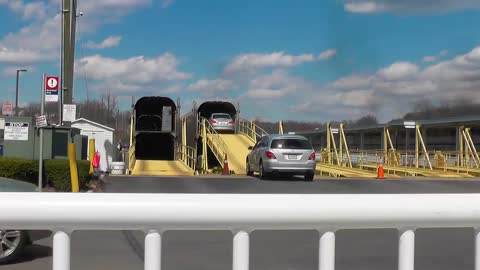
x,y
309,176
12,244
262,174
249,170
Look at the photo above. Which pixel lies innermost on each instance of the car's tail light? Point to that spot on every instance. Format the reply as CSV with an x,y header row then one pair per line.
x,y
270,155
231,122
312,156
213,121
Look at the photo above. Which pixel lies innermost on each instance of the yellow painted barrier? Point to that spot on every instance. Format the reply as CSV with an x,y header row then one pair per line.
x,y
73,167
91,153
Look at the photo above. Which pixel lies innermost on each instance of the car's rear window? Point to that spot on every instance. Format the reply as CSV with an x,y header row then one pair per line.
x,y
291,144
220,116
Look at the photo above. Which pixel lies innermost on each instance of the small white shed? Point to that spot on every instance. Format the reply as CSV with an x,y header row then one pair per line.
x,y
103,136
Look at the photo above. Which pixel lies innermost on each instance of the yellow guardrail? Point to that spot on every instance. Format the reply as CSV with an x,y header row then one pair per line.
x,y
215,142
188,155
406,162
252,130
131,158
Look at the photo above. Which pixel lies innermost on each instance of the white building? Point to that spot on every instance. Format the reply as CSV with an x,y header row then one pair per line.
x,y
103,136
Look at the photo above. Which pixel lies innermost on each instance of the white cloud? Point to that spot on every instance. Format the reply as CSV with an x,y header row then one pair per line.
x,y
363,7
339,105
31,10
252,61
327,54
40,39
211,85
111,41
111,8
12,70
135,69
434,58
391,91
399,70
408,6
275,85
352,82
36,36
276,59
443,53
135,74
22,56
429,59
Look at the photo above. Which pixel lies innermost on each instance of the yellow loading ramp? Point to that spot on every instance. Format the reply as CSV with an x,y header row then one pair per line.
x,y
462,170
237,151
234,146
161,168
339,171
468,160
409,171
334,164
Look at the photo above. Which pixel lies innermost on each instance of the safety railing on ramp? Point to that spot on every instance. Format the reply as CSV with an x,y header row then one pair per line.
x,y
214,141
401,163
252,130
131,158
156,214
187,155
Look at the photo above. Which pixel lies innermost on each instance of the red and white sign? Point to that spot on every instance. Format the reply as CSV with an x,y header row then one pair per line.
x,y
7,107
51,88
51,83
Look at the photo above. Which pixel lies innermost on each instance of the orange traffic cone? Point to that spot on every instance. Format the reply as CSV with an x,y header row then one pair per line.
x,y
380,172
226,171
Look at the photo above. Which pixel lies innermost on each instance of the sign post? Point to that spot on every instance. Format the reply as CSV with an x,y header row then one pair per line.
x,y
42,122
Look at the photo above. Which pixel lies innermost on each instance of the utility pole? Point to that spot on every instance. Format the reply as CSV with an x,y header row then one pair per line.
x,y
69,18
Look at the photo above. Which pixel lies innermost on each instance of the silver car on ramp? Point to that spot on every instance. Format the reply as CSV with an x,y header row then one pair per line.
x,y
282,154
222,122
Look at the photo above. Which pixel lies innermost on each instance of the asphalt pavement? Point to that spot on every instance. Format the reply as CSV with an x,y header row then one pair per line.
x,y
436,249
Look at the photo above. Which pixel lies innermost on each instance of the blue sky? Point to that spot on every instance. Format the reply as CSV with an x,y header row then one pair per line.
x,y
293,60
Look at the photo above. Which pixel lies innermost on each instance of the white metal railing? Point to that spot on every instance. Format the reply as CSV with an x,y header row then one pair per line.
x,y
154,214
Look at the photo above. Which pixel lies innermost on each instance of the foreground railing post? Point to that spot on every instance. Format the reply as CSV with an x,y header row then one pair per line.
x,y
61,251
326,251
406,250
241,250
153,251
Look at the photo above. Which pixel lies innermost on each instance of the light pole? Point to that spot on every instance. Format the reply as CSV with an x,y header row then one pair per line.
x,y
16,92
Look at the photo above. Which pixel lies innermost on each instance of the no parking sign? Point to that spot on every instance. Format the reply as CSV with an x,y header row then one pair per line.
x,y
51,89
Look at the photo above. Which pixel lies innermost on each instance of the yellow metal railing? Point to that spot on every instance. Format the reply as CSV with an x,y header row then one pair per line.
x,y
131,158
188,155
252,130
214,141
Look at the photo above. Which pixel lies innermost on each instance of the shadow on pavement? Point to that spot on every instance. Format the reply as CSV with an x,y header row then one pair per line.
x,y
34,252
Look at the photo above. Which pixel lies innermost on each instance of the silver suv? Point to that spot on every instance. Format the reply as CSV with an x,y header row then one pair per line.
x,y
286,154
